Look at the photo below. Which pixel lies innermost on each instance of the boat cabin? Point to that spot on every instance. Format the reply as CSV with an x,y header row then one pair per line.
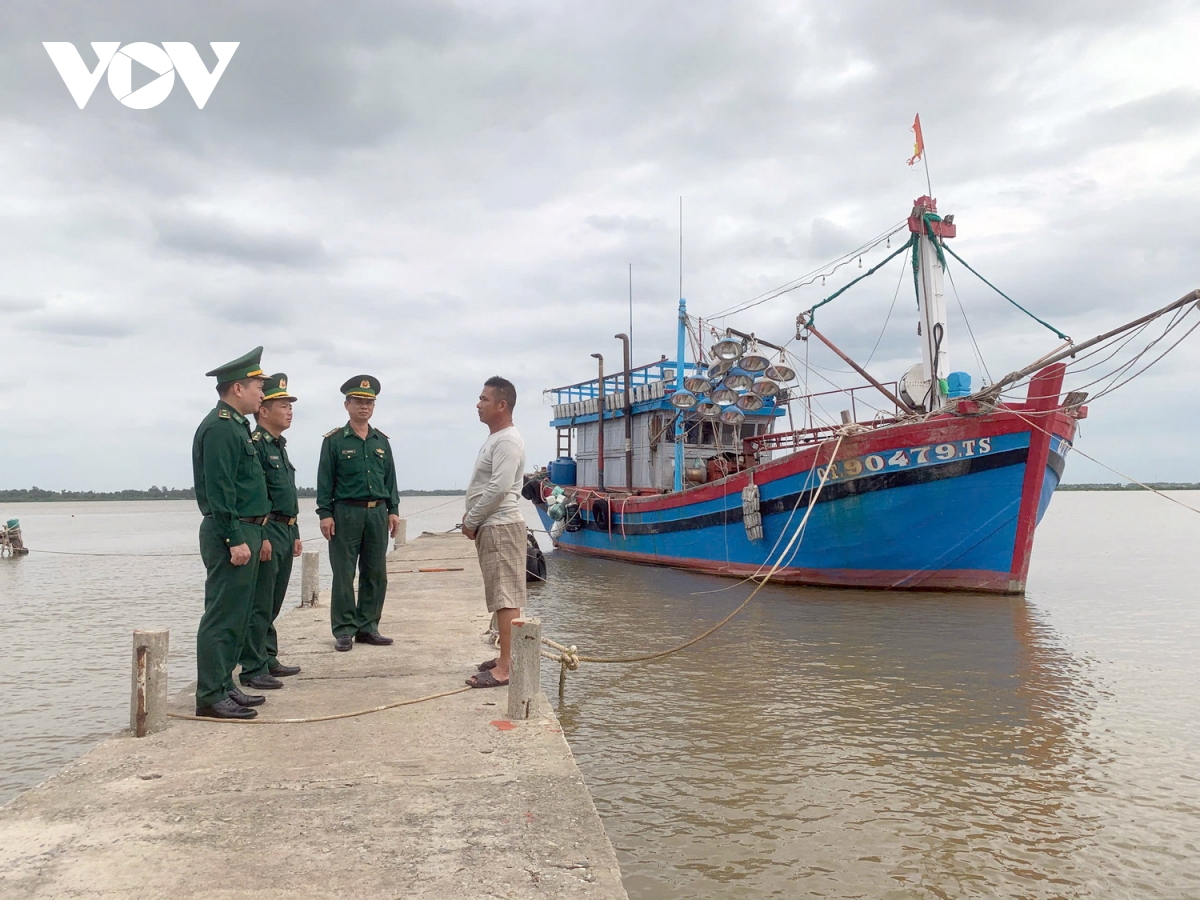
x,y
712,447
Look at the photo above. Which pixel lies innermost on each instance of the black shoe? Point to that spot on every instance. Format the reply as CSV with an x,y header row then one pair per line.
x,y
282,671
344,643
246,699
225,709
372,637
263,683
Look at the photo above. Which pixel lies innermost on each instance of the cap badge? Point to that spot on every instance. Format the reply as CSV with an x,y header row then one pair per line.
x,y
283,384
364,384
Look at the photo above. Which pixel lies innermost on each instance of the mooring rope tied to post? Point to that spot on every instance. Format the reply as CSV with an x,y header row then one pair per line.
x,y
570,658
329,718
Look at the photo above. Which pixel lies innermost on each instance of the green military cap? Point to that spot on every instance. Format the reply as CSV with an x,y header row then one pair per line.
x,y
247,366
361,386
276,388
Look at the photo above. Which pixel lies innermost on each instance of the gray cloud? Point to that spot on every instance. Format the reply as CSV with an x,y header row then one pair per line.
x,y
72,324
218,239
21,304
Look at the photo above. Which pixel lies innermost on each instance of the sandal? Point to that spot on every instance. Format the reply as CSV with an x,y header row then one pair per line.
x,y
485,680
488,664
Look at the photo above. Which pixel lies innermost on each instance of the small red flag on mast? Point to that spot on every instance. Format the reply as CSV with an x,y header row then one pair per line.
x,y
918,142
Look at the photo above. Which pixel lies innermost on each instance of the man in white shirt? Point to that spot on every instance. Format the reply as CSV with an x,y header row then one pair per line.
x,y
494,521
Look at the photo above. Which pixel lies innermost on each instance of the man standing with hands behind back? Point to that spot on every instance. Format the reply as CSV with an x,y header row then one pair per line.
x,y
261,668
494,521
357,502
232,495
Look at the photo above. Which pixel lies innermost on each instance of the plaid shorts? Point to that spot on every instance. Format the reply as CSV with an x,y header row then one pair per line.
x,y
501,550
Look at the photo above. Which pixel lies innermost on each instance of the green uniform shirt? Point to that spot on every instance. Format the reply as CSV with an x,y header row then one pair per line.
x,y
280,473
355,469
228,476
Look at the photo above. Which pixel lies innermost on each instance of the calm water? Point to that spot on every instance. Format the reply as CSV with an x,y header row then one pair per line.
x,y
826,743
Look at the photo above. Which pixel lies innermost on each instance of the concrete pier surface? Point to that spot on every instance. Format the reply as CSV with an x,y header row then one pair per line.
x,y
443,799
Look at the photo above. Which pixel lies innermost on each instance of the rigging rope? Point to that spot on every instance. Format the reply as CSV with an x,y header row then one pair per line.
x,y
1042,322
871,271
805,280
1128,478
570,658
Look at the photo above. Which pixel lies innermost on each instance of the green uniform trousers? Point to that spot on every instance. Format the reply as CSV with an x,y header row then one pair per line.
x,y
261,649
360,537
228,596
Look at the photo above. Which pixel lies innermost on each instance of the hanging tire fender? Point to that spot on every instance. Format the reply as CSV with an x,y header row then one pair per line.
x,y
601,514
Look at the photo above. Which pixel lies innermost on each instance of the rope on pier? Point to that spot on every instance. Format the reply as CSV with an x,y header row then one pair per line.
x,y
306,720
569,657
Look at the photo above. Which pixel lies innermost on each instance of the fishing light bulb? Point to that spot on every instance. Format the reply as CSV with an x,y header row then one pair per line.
x,y
683,399
708,409
738,380
727,348
749,402
697,384
718,369
754,360
733,416
724,396
780,370
765,388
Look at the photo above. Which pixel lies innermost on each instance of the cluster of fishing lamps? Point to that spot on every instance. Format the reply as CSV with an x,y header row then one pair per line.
x,y
739,381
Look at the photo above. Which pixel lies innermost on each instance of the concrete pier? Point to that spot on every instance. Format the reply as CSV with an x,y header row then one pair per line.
x,y
444,799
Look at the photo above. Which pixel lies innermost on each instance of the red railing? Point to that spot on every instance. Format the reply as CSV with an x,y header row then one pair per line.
x,y
803,437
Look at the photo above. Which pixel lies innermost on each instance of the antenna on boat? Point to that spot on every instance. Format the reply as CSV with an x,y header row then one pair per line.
x,y
630,311
681,247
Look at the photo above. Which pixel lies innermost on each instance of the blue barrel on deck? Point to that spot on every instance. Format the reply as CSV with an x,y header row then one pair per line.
x,y
562,470
959,384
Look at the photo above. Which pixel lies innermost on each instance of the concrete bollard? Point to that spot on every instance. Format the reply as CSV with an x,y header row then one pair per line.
x,y
310,580
148,701
524,678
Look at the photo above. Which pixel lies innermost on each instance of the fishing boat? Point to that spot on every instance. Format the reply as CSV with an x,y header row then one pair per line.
x,y
930,486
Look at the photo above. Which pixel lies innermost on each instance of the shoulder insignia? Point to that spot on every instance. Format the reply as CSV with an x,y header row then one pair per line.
x,y
257,436
330,434
222,414
382,435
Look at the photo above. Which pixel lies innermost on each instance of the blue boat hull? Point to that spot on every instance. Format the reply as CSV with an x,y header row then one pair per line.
x,y
951,508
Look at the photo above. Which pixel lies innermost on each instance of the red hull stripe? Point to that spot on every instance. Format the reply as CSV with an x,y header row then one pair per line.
x,y
944,580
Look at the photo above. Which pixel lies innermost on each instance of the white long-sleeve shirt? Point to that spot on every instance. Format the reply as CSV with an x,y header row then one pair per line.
x,y
494,494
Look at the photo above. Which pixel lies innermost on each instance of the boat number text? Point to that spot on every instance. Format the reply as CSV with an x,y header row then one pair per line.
x,y
900,459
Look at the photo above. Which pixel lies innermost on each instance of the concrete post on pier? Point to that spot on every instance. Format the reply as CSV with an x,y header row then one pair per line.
x,y
148,699
524,678
310,582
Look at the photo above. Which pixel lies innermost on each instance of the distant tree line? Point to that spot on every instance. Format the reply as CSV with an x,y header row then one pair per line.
x,y
154,492
1157,485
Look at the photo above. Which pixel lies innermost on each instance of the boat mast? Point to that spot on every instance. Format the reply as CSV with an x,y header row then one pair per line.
x,y
931,299
679,429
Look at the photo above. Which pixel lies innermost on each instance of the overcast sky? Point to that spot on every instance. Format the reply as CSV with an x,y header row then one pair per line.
x,y
433,193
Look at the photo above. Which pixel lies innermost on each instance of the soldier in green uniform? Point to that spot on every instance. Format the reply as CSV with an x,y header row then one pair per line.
x,y
232,495
261,667
357,502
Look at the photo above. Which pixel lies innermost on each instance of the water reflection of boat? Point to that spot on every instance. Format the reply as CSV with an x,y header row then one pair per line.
x,y
677,463
944,736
